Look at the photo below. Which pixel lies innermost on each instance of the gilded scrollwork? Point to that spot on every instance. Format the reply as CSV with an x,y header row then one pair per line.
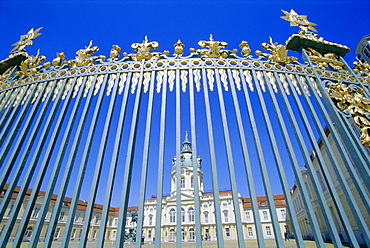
x,y
362,67
322,61
214,49
279,53
350,99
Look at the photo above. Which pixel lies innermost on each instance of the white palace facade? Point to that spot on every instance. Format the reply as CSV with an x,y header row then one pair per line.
x,y
207,217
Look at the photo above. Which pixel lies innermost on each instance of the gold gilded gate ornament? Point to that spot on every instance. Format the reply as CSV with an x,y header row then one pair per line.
x,y
351,99
279,53
84,57
143,50
214,49
298,20
26,40
327,60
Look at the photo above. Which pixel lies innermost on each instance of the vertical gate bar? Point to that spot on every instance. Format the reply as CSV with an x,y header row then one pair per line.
x,y
215,188
53,178
310,167
198,231
10,115
263,169
5,95
22,192
342,151
16,126
230,161
178,162
283,178
128,165
81,172
10,111
13,156
158,217
98,166
340,177
68,169
249,173
324,168
11,162
355,149
112,169
144,168
296,169
45,162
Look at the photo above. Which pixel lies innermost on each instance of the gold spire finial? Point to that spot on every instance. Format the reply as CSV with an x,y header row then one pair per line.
x,y
298,20
26,40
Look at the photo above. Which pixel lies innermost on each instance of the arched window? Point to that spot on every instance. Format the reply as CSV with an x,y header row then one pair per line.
x,y
206,217
192,235
150,219
183,215
172,234
182,182
191,214
28,232
226,216
172,215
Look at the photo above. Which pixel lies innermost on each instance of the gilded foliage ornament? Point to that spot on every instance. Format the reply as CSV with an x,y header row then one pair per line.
x,y
350,99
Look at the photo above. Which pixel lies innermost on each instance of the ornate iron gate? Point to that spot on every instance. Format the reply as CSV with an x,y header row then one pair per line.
x,y
102,130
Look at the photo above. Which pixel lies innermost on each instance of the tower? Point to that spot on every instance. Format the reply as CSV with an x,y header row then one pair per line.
x,y
187,170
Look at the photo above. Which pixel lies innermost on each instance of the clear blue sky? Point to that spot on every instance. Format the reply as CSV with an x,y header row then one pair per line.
x,y
70,25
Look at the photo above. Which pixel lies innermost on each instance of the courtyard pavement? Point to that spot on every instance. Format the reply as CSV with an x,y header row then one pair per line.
x,y
208,244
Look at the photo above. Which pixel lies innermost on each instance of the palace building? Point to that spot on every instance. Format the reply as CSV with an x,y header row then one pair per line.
x,y
207,208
